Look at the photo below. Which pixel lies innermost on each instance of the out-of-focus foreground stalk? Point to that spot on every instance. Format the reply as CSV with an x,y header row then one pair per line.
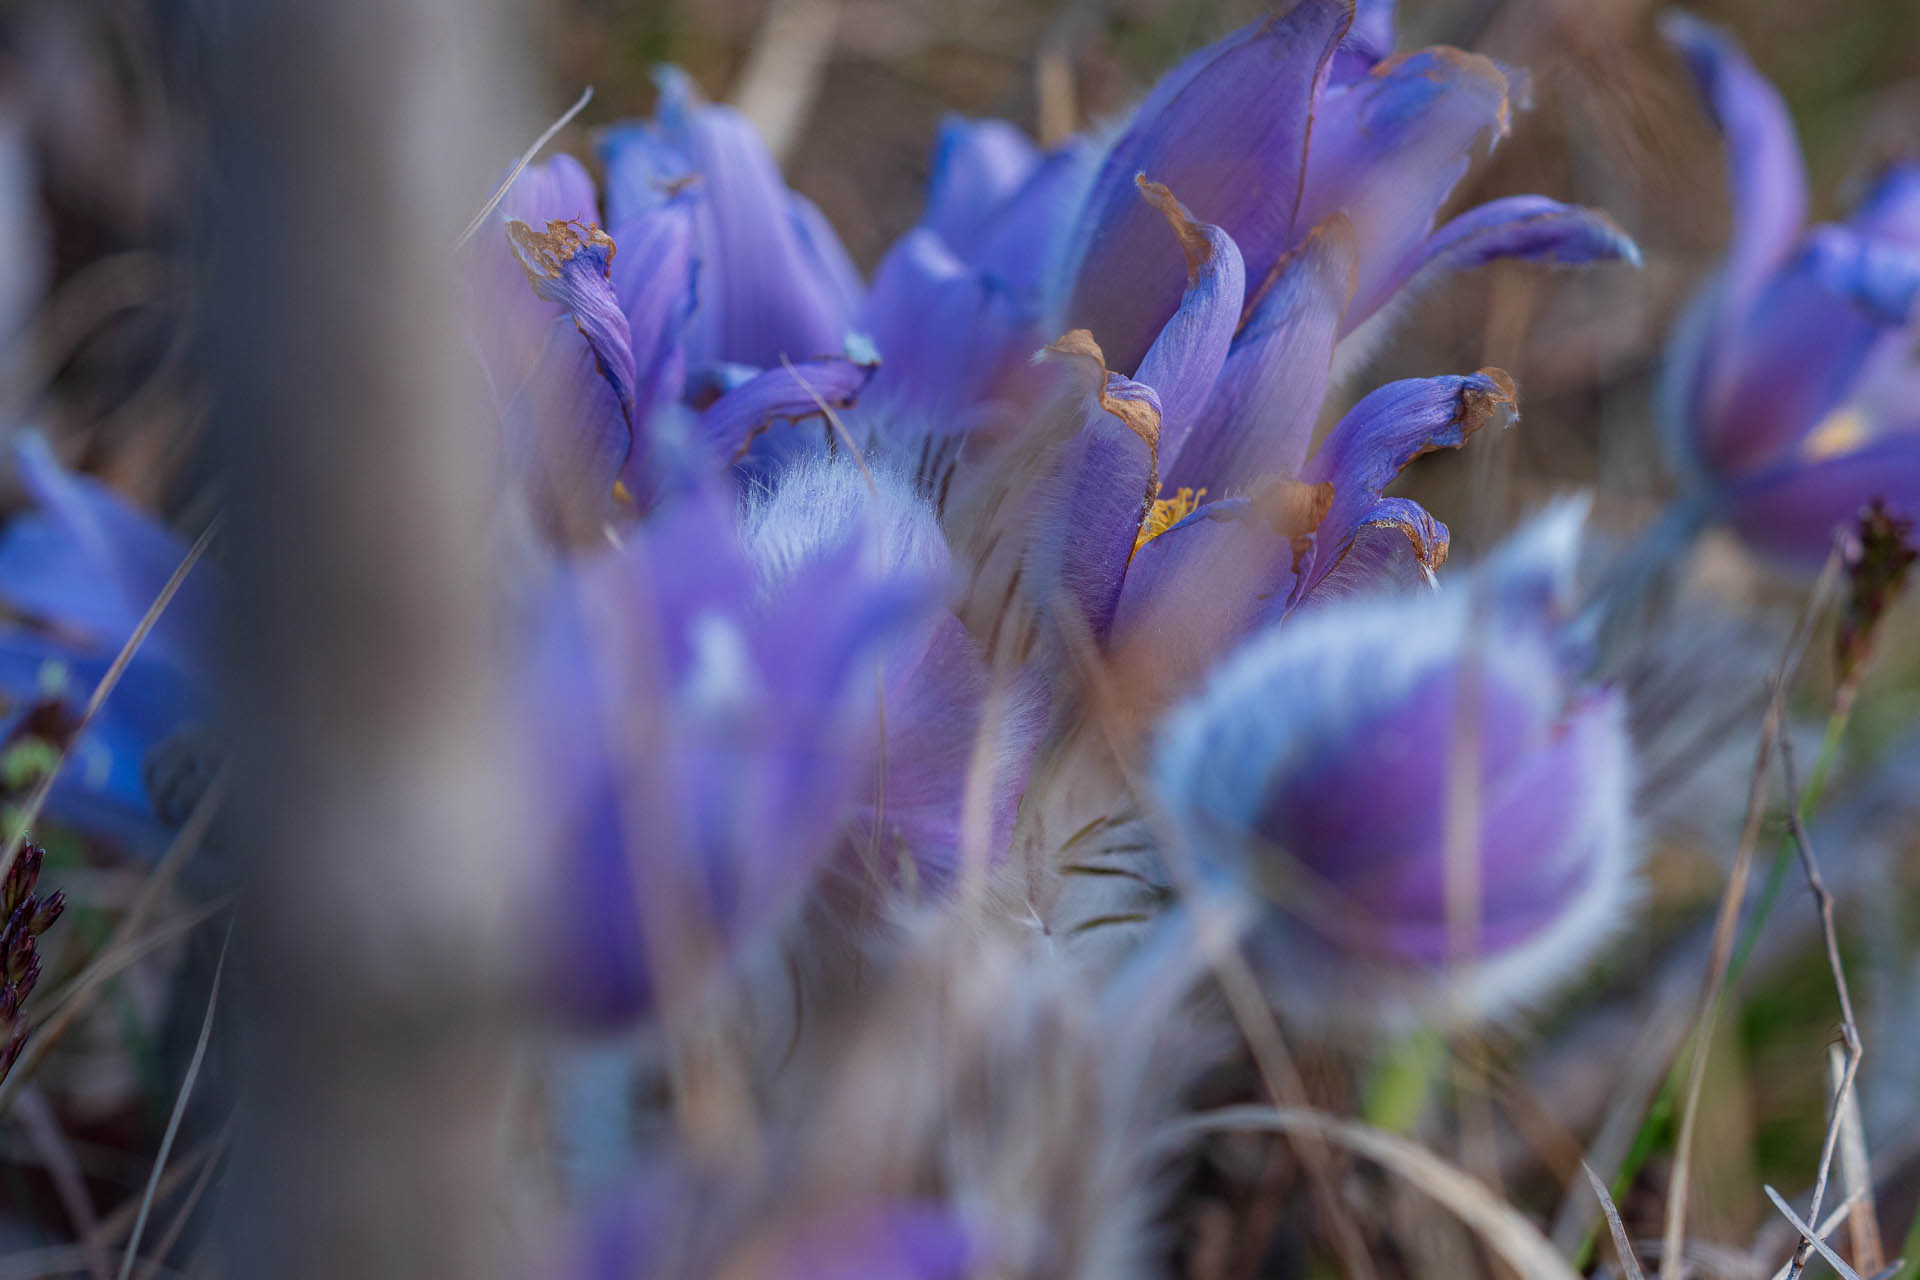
x,y
353,140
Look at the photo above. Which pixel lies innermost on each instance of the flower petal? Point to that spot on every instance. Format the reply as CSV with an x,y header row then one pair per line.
x,y
1259,418
1369,41
105,790
1227,130
1388,150
791,393
571,263
1369,447
935,709
1792,511
978,165
1891,211
1530,227
1021,237
1185,360
772,281
653,278
1801,348
1275,771
1045,518
948,336
88,562
1195,590
1768,184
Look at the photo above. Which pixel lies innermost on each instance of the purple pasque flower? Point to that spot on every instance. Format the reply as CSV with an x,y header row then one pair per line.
x,y
584,330
1280,126
1064,514
1318,769
78,572
740,700
1286,239
775,281
1792,395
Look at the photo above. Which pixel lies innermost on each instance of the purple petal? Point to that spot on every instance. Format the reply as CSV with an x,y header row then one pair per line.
x,y
790,394
1768,185
1259,418
1195,590
1084,528
571,264
756,684
1791,511
978,165
1185,360
1045,516
1393,552
653,278
1377,438
773,282
1388,150
1804,344
1368,42
557,190
948,336
1227,133
104,791
88,562
1891,212
935,709
1277,769
1017,241
1530,227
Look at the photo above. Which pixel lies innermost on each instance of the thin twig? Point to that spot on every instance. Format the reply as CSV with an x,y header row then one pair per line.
x,y
37,801
1622,1243
1856,1171
179,1112
1842,1212
1811,1236
1849,1027
1673,1239
209,1162
526,158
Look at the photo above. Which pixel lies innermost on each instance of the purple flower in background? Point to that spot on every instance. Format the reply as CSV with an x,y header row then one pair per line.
x,y
739,700
775,281
78,571
1318,770
1792,397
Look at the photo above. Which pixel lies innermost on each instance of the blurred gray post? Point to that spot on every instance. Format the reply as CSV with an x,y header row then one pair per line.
x,y
352,141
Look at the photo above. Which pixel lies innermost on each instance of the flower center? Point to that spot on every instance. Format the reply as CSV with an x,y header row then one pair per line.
x,y
1164,513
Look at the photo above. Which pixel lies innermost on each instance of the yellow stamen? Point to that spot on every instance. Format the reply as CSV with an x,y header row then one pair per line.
x,y
1164,513
1841,431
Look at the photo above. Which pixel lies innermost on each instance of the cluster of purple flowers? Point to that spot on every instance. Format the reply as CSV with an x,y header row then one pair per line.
x,y
1016,577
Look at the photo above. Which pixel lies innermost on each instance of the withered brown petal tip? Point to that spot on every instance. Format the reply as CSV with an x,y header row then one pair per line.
x,y
546,252
1478,408
1194,245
